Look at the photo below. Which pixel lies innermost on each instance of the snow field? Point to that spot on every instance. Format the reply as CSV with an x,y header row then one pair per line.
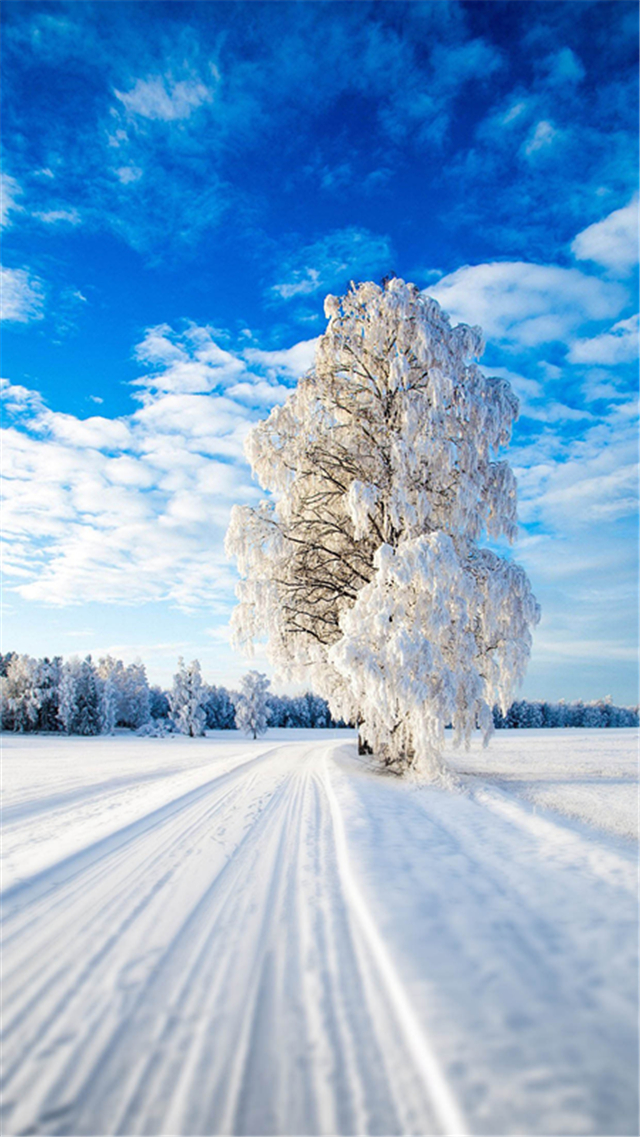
x,y
267,938
589,775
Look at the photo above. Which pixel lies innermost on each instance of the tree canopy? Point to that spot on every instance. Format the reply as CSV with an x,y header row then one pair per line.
x,y
363,568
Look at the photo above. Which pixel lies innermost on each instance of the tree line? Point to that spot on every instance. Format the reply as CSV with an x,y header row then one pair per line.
x,y
83,697
523,715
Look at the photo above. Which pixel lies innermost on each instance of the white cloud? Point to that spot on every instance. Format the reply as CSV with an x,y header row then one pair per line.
x,y
527,304
293,361
187,362
534,400
22,295
333,260
541,138
134,509
612,242
574,484
619,345
129,174
160,97
259,393
55,216
9,194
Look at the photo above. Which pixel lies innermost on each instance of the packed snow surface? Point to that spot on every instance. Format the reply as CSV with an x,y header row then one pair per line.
x,y
220,936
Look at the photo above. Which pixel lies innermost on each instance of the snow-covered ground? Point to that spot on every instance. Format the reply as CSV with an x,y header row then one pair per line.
x,y
223,936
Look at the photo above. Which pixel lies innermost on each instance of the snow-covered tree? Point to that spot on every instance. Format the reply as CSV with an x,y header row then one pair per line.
x,y
219,709
22,692
364,568
124,694
109,670
79,697
50,671
251,704
187,698
158,703
135,706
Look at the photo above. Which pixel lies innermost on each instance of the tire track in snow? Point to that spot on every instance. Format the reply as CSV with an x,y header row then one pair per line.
x,y
204,988
49,1002
519,938
448,1109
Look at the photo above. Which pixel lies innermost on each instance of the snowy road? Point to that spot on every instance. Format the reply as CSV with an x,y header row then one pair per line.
x,y
266,939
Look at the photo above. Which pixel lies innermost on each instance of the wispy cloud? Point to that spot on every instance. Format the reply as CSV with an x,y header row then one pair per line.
x,y
163,98
10,191
562,67
542,138
22,295
334,260
56,216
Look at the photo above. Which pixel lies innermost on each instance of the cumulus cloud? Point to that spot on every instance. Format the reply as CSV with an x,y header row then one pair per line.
x,y
527,304
162,98
612,242
334,260
22,295
134,509
619,345
188,362
292,361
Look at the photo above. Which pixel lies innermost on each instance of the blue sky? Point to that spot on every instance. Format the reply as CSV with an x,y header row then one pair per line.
x,y
184,182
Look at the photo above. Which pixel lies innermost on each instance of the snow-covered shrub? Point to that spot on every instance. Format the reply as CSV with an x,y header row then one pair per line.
x,y
251,705
157,728
383,463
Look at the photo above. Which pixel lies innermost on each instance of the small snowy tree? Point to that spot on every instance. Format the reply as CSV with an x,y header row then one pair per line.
x,y
252,708
364,569
187,698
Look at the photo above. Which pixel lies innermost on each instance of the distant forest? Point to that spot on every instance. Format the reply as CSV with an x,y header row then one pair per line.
x,y
80,696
